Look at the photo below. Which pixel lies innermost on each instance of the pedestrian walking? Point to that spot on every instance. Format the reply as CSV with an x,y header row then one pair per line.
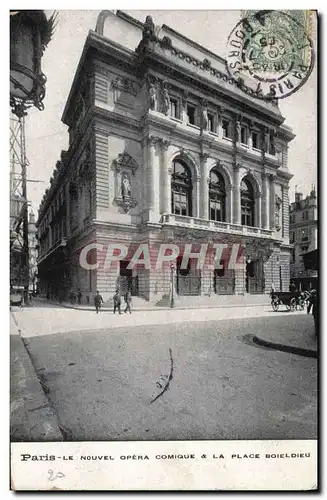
x,y
98,300
117,302
313,306
79,296
128,300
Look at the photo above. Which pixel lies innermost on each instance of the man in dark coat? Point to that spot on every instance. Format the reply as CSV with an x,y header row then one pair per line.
x,y
128,300
117,302
292,287
98,300
313,305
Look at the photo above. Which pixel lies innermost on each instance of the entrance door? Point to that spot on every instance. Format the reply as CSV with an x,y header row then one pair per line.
x,y
126,279
224,281
188,281
254,281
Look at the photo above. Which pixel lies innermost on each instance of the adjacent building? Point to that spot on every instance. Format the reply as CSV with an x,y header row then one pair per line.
x,y
164,147
304,240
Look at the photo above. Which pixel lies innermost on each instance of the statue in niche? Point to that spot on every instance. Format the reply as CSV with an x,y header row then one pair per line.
x,y
204,118
125,186
277,212
238,131
152,96
166,101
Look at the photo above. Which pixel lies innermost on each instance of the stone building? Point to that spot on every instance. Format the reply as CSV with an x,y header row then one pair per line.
x,y
303,238
164,148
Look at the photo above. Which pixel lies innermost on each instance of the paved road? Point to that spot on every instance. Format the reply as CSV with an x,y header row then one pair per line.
x,y
44,319
102,382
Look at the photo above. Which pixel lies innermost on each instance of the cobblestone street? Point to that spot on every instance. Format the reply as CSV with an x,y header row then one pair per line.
x,y
196,379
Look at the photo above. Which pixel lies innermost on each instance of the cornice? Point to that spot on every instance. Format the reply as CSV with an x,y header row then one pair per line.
x,y
253,105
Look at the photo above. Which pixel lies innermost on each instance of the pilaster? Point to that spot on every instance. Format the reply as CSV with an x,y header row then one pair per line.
x,y
204,187
272,201
237,195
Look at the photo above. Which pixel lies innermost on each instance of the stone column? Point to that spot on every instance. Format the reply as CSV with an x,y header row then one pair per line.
x,y
237,195
165,178
250,143
259,210
204,187
151,174
229,203
272,201
264,206
196,198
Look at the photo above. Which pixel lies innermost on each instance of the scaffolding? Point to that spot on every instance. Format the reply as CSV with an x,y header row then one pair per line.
x,y
19,254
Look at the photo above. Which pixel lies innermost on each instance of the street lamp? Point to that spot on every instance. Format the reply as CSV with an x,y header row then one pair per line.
x,y
172,299
30,33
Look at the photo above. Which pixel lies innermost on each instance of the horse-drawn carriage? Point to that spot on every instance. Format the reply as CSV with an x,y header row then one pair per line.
x,y
291,300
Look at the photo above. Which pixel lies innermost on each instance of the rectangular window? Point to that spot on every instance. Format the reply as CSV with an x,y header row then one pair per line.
x,y
211,122
255,140
216,212
226,126
180,204
174,108
244,135
191,114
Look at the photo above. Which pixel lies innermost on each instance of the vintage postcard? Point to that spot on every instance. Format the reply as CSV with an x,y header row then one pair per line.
x,y
163,250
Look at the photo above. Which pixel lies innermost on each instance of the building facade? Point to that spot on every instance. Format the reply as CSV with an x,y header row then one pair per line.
x,y
303,238
164,148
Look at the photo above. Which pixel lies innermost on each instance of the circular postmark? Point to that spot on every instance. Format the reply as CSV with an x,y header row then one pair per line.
x,y
270,53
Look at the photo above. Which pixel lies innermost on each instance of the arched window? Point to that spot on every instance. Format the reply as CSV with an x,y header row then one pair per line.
x,y
217,196
247,203
181,189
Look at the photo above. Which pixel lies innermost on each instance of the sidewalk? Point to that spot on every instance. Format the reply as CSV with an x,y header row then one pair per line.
x,y
53,319
303,343
32,417
181,303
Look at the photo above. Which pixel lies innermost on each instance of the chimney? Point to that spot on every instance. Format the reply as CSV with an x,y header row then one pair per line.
x,y
298,197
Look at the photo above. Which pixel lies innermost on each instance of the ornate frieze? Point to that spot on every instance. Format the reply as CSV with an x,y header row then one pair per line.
x,y
125,84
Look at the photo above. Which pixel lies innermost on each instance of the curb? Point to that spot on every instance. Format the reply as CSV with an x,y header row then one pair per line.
x,y
32,415
162,308
309,353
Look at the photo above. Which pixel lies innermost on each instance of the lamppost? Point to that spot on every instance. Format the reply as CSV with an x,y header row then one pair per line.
x,y
30,33
172,299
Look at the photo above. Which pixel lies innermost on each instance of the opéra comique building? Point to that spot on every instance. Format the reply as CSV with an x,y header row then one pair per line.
x,y
164,147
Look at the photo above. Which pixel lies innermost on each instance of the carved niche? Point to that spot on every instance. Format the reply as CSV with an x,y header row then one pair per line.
x,y
278,207
125,167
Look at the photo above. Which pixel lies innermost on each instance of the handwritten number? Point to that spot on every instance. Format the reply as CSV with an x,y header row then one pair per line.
x,y
52,477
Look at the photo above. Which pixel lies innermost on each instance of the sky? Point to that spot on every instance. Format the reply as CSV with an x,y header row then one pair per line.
x,y
46,135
